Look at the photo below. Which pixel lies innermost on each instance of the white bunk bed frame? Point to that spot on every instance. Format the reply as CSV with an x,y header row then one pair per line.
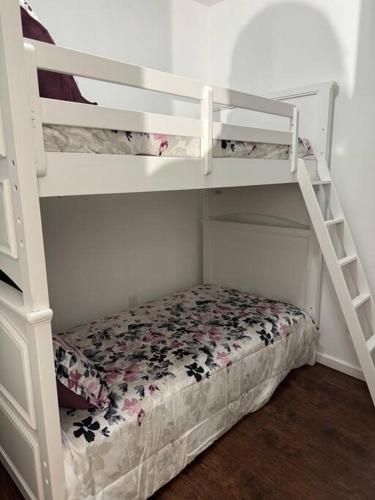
x,y
30,436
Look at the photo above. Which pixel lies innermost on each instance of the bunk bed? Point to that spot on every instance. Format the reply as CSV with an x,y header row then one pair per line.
x,y
72,171
175,373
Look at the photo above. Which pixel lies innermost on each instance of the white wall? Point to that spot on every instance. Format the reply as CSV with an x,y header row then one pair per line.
x,y
169,35
101,250
266,45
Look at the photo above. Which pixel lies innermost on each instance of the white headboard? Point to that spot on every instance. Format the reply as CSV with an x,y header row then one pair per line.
x,y
315,103
271,257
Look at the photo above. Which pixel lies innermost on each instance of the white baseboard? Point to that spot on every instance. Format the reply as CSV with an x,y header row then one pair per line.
x,y
339,365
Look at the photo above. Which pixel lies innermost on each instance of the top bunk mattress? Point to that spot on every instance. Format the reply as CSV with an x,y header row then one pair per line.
x,y
65,139
181,370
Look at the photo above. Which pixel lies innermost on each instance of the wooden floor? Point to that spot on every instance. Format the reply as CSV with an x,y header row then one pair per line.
x,y
314,440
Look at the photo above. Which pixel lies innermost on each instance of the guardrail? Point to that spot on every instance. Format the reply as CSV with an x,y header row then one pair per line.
x,y
58,59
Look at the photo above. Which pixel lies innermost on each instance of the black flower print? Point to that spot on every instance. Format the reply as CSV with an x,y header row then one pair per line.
x,y
86,428
194,370
105,432
190,334
266,337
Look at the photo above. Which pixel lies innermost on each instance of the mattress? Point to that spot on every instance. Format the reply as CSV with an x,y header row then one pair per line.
x,y
181,370
99,141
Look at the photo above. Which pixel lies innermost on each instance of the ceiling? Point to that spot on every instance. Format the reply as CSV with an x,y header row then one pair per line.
x,y
209,2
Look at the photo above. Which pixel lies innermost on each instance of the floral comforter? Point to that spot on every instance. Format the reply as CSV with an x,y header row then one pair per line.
x,y
99,141
180,371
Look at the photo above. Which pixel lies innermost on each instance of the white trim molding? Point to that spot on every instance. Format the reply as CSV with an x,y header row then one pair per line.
x,y
339,365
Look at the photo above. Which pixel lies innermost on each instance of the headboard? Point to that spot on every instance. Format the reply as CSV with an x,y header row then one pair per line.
x,y
272,257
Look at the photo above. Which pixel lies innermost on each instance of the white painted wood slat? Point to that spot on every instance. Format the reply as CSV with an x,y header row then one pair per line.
x,y
86,115
62,60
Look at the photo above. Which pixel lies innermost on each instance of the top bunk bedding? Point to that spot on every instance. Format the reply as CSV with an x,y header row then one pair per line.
x,y
100,141
180,371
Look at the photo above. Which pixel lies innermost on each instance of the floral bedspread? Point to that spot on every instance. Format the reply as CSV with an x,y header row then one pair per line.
x,y
100,141
151,355
185,336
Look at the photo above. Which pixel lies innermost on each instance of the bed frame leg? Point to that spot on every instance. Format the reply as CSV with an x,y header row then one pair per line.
x,y
207,124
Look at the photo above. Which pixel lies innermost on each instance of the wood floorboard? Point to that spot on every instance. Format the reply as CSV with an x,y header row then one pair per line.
x,y
315,440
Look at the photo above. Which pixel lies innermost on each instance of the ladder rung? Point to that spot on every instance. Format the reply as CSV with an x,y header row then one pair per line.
x,y
331,222
347,260
321,182
360,299
371,343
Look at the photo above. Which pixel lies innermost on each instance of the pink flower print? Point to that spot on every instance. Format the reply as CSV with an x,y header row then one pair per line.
x,y
92,387
198,336
131,406
161,137
262,308
176,344
223,356
131,372
275,309
110,377
283,329
73,380
214,334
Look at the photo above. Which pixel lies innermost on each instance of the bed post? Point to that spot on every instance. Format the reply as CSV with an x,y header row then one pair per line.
x,y
294,123
207,124
30,435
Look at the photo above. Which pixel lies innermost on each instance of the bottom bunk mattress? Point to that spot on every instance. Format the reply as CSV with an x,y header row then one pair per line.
x,y
180,372
65,139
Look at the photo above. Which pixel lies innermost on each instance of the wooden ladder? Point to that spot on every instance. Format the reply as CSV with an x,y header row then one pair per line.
x,y
343,263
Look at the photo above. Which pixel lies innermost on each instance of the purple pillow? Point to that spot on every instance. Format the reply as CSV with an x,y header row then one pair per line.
x,y
79,376
51,85
71,400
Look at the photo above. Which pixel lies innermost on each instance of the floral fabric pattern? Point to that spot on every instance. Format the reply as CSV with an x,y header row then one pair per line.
x,y
78,374
186,336
170,365
99,141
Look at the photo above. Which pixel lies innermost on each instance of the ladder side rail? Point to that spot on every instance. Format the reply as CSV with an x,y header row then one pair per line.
x,y
348,243
337,277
